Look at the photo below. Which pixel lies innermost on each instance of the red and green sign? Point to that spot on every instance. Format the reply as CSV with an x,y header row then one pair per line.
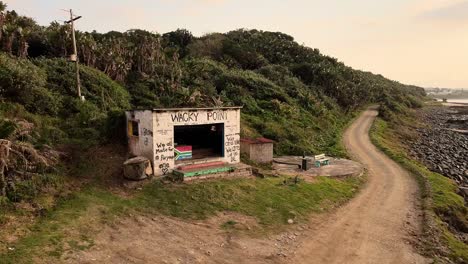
x,y
183,152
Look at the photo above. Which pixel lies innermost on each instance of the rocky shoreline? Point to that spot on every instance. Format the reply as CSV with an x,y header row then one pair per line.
x,y
442,145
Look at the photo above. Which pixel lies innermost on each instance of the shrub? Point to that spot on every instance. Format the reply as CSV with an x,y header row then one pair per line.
x,y
96,87
114,129
23,82
7,128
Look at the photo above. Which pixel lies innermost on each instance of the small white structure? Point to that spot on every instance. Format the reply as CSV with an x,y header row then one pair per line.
x,y
173,137
259,150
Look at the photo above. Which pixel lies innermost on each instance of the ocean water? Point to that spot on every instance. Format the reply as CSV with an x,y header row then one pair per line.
x,y
462,101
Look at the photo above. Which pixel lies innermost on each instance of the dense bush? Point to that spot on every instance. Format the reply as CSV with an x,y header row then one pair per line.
x,y
96,87
46,88
23,82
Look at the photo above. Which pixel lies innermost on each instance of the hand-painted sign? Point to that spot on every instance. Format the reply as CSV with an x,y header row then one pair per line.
x,y
195,117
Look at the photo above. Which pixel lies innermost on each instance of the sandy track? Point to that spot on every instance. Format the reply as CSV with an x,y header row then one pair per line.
x,y
379,224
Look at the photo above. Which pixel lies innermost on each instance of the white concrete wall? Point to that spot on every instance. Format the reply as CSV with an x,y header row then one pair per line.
x,y
141,145
232,137
163,127
163,144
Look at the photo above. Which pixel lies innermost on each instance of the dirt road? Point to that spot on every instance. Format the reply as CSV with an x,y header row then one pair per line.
x,y
378,225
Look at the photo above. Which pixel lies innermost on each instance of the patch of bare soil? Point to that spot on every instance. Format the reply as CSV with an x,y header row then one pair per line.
x,y
160,239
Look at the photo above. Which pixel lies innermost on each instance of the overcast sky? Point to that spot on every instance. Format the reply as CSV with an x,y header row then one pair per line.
x,y
421,42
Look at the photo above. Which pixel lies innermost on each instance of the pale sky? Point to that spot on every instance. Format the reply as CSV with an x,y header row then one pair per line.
x,y
421,42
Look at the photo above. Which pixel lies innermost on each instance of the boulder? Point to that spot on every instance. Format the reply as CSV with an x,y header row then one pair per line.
x,y
137,168
464,191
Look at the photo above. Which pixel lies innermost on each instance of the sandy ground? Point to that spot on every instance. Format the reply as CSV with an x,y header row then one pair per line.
x,y
378,226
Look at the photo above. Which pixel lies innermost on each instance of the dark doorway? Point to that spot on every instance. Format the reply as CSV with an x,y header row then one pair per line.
x,y
205,141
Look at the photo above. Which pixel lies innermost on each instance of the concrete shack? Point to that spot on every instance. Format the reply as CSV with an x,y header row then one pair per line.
x,y
259,150
174,137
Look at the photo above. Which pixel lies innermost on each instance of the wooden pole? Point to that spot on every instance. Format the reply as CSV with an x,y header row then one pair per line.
x,y
75,51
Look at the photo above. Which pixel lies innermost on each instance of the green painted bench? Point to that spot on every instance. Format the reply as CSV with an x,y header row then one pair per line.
x,y
321,160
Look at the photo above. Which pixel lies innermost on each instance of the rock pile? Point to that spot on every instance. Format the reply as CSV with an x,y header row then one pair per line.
x,y
441,149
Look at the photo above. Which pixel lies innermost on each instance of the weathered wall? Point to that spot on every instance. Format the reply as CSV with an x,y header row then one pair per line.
x,y
164,122
245,148
141,145
262,153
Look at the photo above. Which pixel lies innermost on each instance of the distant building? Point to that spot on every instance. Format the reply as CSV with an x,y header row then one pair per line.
x,y
175,137
259,150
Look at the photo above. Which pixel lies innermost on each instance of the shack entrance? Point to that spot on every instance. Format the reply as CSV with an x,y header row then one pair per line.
x,y
174,137
194,142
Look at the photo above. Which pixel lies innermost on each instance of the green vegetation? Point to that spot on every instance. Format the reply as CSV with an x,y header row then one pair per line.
x,y
290,93
38,113
445,210
73,221
41,92
271,202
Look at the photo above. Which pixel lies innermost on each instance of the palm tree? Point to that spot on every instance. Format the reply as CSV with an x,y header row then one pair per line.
x,y
58,38
25,26
9,30
87,49
3,7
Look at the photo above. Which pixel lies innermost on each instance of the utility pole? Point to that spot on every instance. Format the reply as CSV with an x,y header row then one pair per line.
x,y
75,53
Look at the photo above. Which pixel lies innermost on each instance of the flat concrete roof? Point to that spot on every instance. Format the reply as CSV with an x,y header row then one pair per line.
x,y
189,109
261,140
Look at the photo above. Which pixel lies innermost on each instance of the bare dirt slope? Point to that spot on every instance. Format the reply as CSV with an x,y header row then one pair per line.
x,y
377,226
162,239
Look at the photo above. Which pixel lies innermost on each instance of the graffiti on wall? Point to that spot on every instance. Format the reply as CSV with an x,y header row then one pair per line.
x,y
166,154
164,151
164,168
147,132
216,116
232,147
164,132
185,117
